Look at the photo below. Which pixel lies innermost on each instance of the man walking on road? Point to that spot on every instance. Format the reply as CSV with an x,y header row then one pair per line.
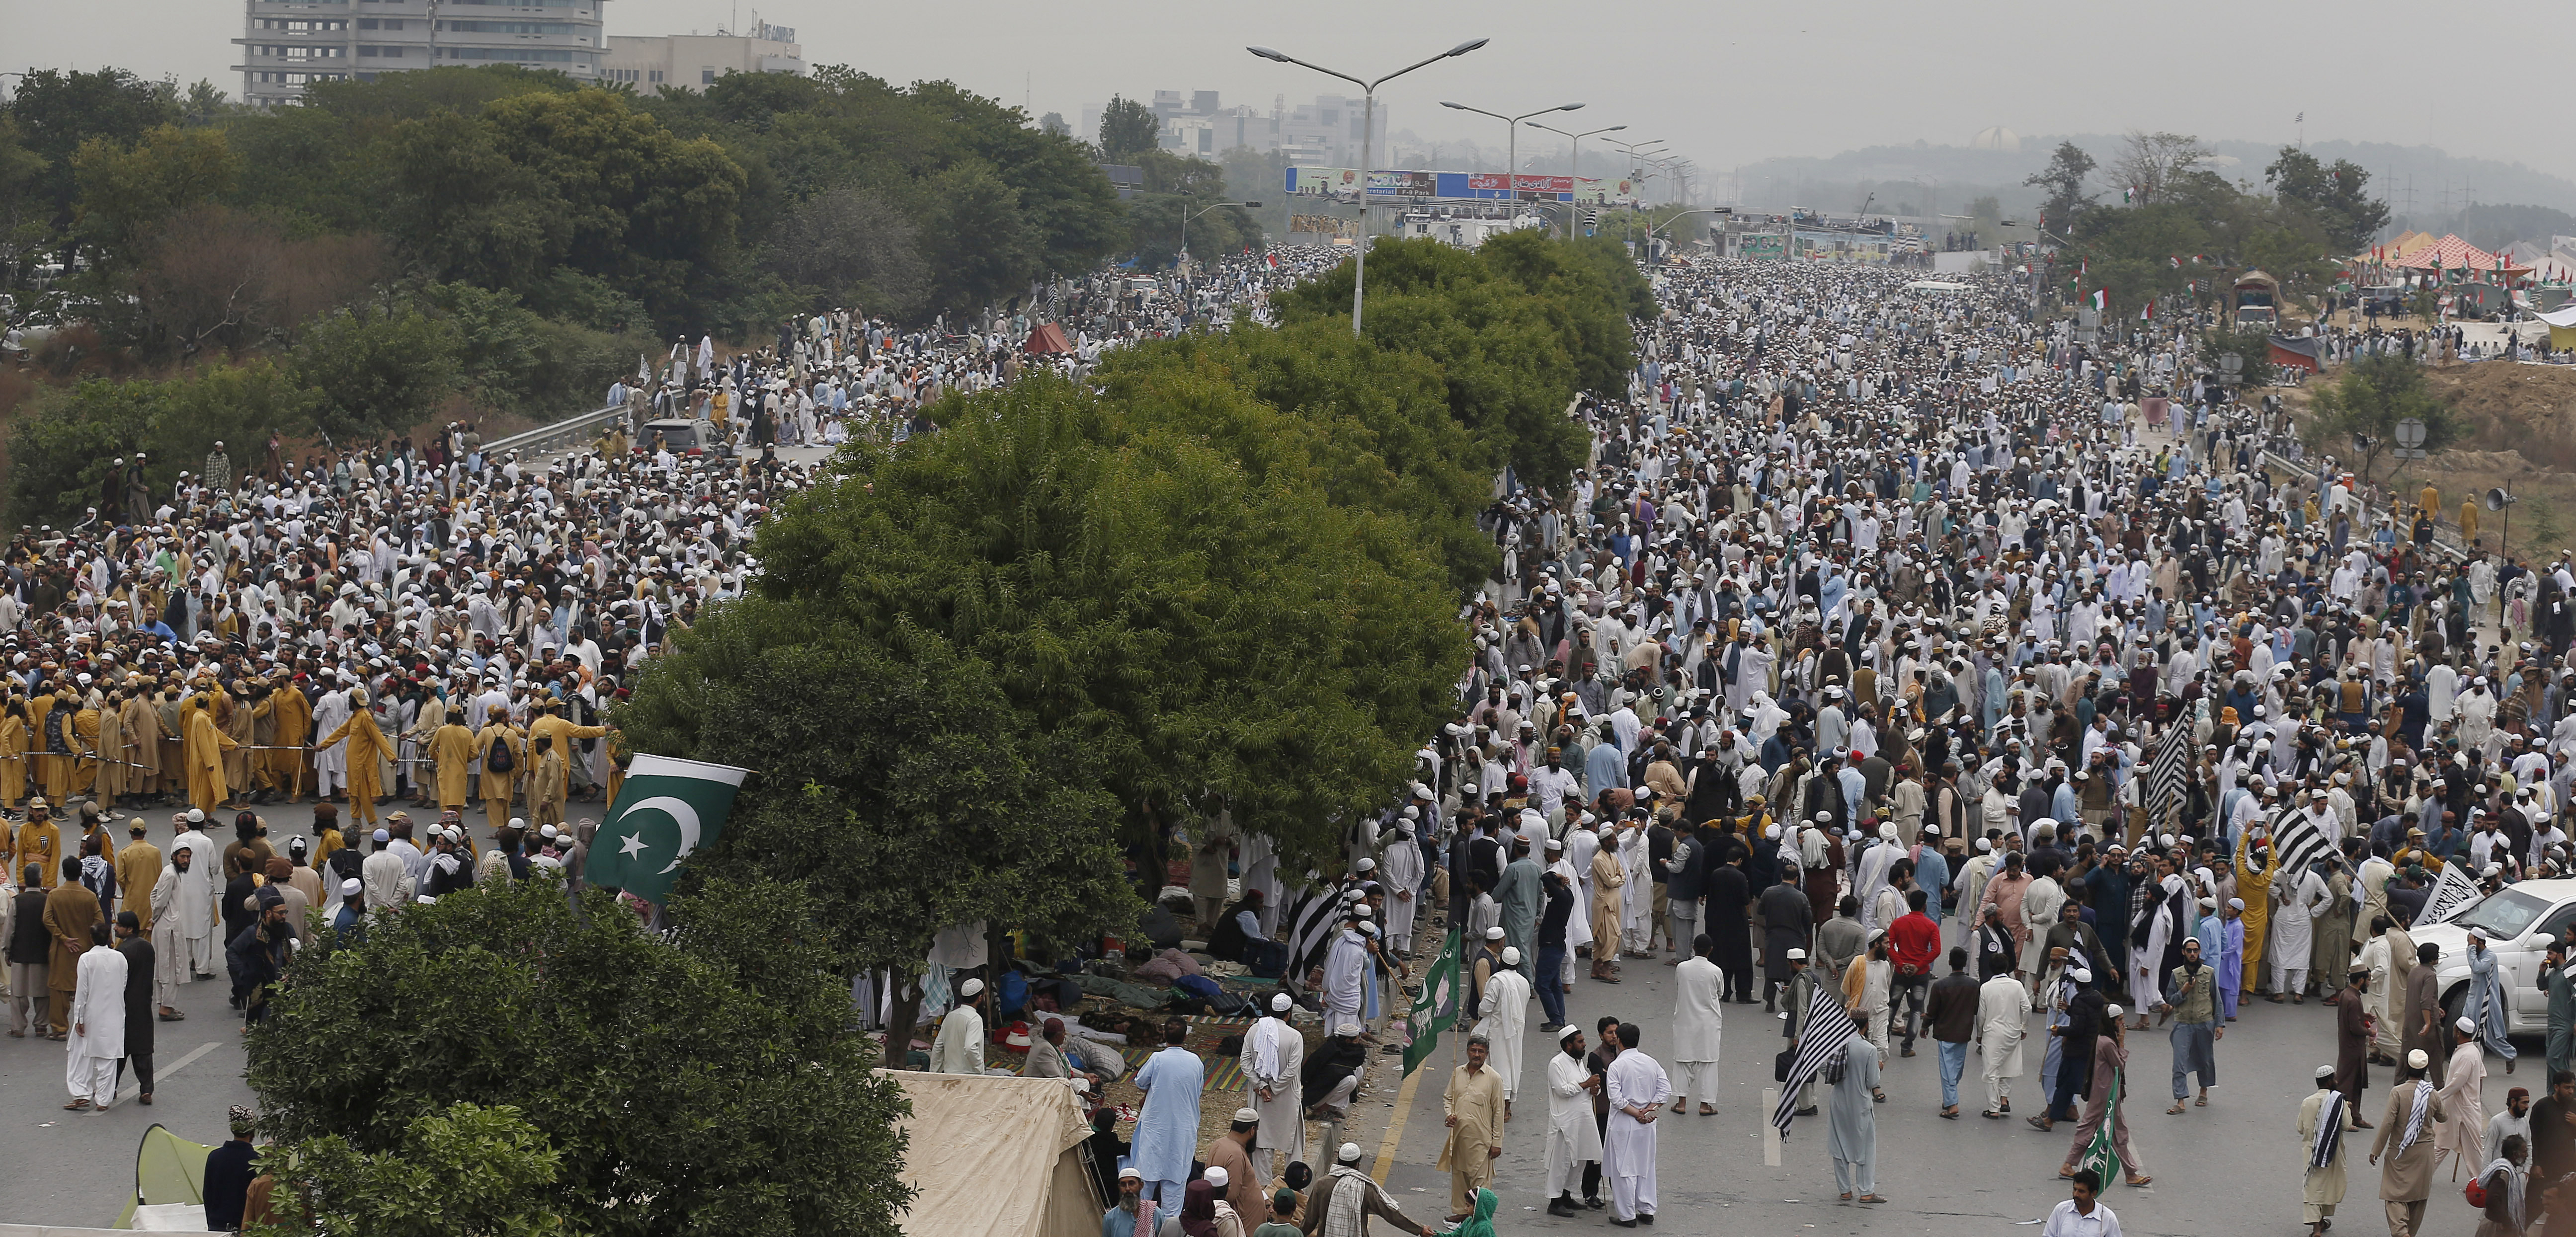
x,y
1473,1105
1573,1141
1952,1013
2406,1136
2191,995
1851,1127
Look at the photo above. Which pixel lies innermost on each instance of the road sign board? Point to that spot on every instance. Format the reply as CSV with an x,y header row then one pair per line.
x,y
2406,453
2231,362
2410,433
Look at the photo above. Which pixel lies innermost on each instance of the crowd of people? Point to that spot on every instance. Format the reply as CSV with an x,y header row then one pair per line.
x,y
1912,667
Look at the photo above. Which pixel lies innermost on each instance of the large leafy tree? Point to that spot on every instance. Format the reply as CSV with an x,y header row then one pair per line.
x,y
1205,632
57,110
1127,129
2339,194
708,1085
2366,401
899,786
2063,178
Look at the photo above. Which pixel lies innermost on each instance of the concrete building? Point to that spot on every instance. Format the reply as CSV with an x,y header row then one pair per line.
x,y
288,43
695,61
1325,132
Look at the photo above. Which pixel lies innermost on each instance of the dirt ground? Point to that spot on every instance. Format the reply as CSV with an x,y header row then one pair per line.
x,y
2521,436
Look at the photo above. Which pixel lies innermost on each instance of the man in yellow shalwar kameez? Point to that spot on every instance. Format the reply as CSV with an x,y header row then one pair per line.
x,y
451,752
367,746
2254,888
499,787
293,714
205,759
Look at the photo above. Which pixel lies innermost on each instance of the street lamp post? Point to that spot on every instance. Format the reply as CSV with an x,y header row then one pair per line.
x,y
1577,169
1368,134
1185,220
1511,144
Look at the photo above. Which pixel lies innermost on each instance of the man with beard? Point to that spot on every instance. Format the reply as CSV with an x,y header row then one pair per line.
x,y
2157,936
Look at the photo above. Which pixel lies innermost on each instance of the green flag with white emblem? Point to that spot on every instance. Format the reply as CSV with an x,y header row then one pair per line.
x,y
667,810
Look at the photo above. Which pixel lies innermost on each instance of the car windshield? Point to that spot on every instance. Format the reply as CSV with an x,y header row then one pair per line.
x,y
2503,917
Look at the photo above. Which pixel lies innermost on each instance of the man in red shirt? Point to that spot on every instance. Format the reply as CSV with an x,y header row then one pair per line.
x,y
1913,943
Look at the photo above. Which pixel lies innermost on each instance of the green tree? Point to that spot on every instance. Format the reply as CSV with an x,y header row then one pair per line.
x,y
1128,129
2366,401
977,242
467,1171
58,110
853,247
378,371
2063,178
62,449
128,192
2338,195
920,798
708,1085
1209,637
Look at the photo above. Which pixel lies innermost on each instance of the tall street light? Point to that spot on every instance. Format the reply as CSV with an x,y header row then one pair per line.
x,y
1511,144
1368,133
1577,168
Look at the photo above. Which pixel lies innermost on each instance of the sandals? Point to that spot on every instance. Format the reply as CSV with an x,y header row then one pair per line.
x,y
2202,1102
2142,1181
2176,1110
1991,1115
76,1105
1870,1198
2041,1124
171,1016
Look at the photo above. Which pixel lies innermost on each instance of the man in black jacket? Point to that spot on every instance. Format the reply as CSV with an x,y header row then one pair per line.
x,y
1952,1011
30,949
229,1173
1729,928
137,949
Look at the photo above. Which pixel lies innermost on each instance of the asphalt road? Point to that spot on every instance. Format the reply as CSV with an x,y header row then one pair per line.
x,y
2233,1167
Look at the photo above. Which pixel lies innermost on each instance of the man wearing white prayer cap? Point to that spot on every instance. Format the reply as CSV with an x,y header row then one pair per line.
x,y
1345,1199
2405,1147
959,1048
1273,1054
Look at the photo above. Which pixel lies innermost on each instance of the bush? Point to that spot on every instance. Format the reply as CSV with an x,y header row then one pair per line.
x,y
378,370
62,449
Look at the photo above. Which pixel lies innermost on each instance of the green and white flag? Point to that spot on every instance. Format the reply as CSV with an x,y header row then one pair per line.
x,y
2099,1154
666,811
1436,1010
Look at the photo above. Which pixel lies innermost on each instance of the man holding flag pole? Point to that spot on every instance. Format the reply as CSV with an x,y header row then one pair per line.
x,y
2102,1135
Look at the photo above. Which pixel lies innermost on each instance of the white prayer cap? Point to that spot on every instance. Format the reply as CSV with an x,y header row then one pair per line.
x,y
2166,839
1280,1003
1412,813
518,823
1215,1176
2325,1072
196,816
2207,904
1468,789
970,987
1365,865
2112,1011
1797,955
352,887
380,835
2417,1059
1511,956
1566,1030
1246,1114
1984,846
1368,929
2080,975
1350,1152
2236,904
1494,934
1346,1029
1773,832
2467,1025
1824,817
1553,844
1130,1173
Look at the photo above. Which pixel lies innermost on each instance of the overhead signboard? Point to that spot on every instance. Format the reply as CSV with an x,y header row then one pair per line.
x,y
1457,186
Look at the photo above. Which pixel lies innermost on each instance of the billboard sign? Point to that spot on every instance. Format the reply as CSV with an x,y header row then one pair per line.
x,y
1344,183
1761,245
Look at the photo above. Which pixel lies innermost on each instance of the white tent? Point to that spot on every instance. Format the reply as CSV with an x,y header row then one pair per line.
x,y
996,1157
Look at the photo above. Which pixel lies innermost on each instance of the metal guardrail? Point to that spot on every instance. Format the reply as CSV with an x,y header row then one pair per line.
x,y
559,435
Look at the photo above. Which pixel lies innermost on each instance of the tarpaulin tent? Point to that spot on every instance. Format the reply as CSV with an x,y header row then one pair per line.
x,y
2292,350
2562,328
996,1157
1047,340
169,1171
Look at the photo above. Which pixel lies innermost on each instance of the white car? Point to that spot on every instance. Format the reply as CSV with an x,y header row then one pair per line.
x,y
2518,922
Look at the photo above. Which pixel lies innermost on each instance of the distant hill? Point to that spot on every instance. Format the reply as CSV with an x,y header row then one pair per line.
x,y
1923,178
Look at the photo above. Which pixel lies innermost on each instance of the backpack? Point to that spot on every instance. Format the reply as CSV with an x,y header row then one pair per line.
x,y
500,759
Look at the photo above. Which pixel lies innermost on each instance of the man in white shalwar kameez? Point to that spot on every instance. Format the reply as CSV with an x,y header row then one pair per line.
x,y
1639,893
2146,985
1699,1017
1502,1019
198,896
98,1025
1581,843
1637,1089
1273,1052
1402,874
2003,1017
1578,924
331,764
2297,898
1572,1140
169,945
960,1046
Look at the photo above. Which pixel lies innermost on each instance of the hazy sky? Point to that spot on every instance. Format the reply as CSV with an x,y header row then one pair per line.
x,y
1727,84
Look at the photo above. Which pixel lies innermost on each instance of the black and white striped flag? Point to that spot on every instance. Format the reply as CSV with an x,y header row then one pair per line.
x,y
1828,1026
2297,842
2169,778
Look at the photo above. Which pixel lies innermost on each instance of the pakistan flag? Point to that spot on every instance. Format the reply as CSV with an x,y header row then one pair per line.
x,y
667,810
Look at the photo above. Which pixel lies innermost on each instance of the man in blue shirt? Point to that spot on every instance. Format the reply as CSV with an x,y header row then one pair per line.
x,y
228,1174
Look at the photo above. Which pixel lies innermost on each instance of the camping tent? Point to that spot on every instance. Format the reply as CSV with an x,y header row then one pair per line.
x,y
2292,350
1047,339
996,1157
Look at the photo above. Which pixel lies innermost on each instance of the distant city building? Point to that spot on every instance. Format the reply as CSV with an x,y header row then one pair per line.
x,y
1323,133
695,61
289,43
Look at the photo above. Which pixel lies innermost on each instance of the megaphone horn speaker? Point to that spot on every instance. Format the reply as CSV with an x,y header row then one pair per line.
x,y
2497,498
